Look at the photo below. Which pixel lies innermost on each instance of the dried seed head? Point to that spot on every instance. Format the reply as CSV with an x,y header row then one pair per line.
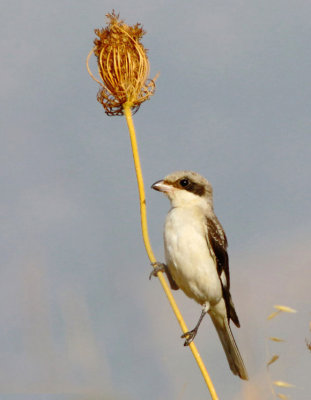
x,y
123,66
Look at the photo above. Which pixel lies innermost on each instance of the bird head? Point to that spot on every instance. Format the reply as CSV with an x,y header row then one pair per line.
x,y
186,188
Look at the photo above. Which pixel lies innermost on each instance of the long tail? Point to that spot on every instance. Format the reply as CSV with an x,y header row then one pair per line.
x,y
231,349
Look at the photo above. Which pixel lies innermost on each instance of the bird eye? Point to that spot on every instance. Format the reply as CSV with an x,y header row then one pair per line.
x,y
184,182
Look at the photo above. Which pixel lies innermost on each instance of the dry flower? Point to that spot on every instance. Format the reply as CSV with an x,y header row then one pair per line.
x,y
123,66
273,359
283,384
274,314
276,339
285,309
282,396
281,309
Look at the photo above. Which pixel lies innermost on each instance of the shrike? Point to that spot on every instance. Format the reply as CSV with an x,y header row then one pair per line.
x,y
196,257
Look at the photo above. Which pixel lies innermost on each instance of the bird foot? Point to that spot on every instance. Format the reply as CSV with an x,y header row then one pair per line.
x,y
189,336
157,267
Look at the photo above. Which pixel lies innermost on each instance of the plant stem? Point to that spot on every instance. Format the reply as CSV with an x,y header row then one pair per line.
x,y
144,228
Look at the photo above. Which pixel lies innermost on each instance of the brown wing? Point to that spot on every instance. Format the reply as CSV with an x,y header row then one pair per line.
x,y
218,241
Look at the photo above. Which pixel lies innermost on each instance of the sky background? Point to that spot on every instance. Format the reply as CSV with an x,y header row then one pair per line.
x,y
79,318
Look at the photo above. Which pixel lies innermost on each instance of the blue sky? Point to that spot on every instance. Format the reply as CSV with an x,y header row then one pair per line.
x,y
80,320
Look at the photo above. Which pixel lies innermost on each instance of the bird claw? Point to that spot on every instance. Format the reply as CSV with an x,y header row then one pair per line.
x,y
157,267
189,336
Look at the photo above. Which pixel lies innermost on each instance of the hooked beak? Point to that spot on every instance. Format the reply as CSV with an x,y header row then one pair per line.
x,y
161,186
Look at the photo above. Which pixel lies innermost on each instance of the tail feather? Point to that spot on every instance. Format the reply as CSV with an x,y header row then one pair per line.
x,y
230,347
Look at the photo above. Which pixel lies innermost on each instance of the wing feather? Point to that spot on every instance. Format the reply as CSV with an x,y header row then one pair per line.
x,y
217,240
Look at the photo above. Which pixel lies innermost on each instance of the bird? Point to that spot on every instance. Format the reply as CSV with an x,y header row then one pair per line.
x,y
196,257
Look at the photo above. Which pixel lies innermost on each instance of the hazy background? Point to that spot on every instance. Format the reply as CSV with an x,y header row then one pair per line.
x,y
79,318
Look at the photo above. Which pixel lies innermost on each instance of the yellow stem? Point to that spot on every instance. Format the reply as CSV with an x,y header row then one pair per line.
x,y
144,227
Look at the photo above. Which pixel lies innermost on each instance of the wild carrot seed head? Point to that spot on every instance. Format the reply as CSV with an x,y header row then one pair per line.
x,y
123,66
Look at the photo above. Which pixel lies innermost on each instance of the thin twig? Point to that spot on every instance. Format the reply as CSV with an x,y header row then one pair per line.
x,y
144,228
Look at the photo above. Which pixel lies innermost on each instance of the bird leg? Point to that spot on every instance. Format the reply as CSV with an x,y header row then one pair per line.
x,y
189,336
157,267
160,267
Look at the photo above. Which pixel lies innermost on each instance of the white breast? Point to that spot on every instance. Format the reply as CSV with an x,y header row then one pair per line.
x,y
188,257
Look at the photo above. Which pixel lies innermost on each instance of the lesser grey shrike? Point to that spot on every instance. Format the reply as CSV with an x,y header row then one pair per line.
x,y
196,257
